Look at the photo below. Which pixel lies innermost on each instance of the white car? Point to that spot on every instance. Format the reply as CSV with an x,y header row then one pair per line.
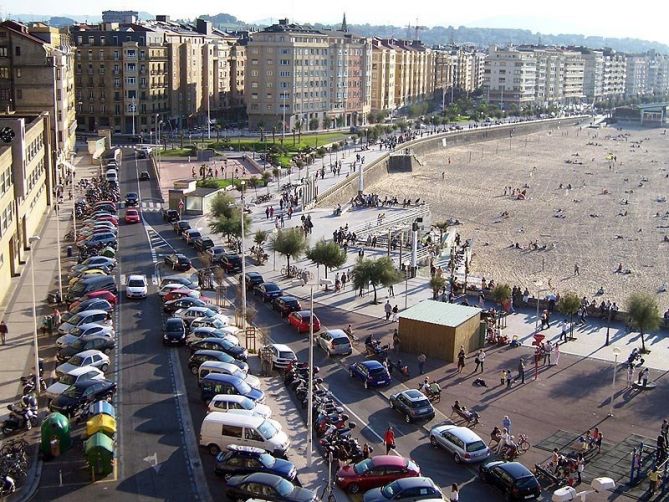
x,y
234,370
253,413
136,287
84,331
225,402
281,355
77,374
112,176
192,313
86,358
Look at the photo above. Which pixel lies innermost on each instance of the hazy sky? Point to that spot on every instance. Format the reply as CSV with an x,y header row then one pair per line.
x,y
640,19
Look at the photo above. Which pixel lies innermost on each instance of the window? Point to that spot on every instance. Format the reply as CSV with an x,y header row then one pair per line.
x,y
18,73
19,93
231,431
3,52
17,50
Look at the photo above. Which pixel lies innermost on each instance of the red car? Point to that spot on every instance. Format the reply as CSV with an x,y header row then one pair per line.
x,y
374,472
105,295
107,217
175,294
132,216
302,319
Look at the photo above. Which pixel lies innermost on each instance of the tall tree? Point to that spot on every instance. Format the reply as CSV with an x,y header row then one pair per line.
x,y
437,282
222,205
644,314
290,243
328,254
568,304
379,272
501,294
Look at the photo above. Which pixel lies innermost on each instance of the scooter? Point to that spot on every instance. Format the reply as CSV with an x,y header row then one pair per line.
x,y
19,418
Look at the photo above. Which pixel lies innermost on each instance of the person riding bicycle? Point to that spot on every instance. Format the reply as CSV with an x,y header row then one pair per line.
x,y
349,331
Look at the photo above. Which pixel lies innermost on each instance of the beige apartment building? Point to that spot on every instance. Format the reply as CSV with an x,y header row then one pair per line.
x,y
614,74
237,71
510,76
383,76
37,75
25,187
636,76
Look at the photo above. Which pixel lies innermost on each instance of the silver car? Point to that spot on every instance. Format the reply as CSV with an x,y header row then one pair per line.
x,y
465,445
335,342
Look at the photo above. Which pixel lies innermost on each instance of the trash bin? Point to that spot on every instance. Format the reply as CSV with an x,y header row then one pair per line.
x,y
69,251
101,423
102,407
99,452
55,435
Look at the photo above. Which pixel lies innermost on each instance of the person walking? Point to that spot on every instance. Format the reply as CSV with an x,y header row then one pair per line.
x,y
461,359
3,331
396,341
521,370
563,332
421,363
548,349
389,309
630,375
664,430
396,311
653,478
577,269
580,467
480,359
454,496
508,379
389,440
506,423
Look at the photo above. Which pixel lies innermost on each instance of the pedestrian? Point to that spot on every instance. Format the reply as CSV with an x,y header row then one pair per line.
x,y
521,370
480,359
454,496
643,377
461,359
391,291
508,379
389,440
421,363
57,318
577,269
563,332
389,309
396,311
548,348
3,331
502,377
664,429
343,281
630,375
581,467
653,477
557,354
366,450
506,423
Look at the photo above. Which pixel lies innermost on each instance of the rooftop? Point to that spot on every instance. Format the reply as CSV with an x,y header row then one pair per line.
x,y
445,314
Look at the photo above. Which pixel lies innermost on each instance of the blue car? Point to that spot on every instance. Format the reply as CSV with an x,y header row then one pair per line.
x,y
268,291
372,373
410,489
247,459
218,383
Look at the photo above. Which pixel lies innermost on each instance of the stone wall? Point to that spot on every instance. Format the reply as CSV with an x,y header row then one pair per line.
x,y
342,192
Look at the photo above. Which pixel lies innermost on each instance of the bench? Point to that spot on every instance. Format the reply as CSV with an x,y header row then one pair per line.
x,y
469,416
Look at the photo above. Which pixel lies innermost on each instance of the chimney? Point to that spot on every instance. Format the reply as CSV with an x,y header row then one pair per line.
x,y
203,27
283,22
163,18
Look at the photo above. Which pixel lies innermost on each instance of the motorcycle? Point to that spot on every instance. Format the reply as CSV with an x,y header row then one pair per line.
x,y
19,418
28,383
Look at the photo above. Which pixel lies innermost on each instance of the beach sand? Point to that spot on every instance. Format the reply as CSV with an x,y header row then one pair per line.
x,y
591,234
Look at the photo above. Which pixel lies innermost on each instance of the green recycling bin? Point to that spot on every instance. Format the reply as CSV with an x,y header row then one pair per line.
x,y
99,452
55,435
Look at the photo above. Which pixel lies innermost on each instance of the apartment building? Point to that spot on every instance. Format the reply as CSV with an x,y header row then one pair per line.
x,y
593,74
445,67
383,76
614,74
37,75
658,74
636,76
510,76
237,72
25,187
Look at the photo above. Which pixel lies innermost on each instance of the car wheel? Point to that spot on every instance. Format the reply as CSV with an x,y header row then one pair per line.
x,y
457,458
433,441
407,419
214,449
194,370
104,367
353,488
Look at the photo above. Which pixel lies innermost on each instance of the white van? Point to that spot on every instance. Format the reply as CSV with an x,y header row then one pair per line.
x,y
209,367
219,430
225,402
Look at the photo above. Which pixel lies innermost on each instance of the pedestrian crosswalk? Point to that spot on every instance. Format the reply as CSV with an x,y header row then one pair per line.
x,y
157,242
151,206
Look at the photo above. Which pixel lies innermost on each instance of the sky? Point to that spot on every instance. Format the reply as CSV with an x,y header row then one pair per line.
x,y
641,19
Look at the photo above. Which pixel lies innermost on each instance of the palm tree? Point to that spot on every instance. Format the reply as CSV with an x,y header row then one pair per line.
x,y
644,314
298,127
501,293
442,226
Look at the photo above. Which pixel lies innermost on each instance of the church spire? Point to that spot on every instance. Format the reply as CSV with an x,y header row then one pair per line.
x,y
344,27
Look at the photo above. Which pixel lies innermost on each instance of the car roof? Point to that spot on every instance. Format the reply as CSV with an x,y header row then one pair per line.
x,y
91,352
131,210
136,276
222,377
337,333
288,298
413,482
174,320
282,347
220,364
515,469
84,384
303,313
209,352
253,274
250,420
264,478
80,370
91,324
372,364
390,460
413,394
464,433
92,311
227,397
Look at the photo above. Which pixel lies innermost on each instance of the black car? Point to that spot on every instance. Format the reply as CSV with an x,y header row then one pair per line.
x,y
174,332
102,343
178,261
221,345
81,394
413,405
286,304
230,263
203,243
269,486
195,360
253,279
144,176
268,291
170,215
131,199
247,460
180,227
514,479
183,303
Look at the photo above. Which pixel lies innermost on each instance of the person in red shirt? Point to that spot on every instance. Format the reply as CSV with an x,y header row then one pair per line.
x,y
389,440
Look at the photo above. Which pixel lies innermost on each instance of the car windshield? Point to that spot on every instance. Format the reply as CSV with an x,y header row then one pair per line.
x,y
377,372
286,355
267,460
73,392
247,404
526,482
421,403
76,360
76,332
284,488
293,304
68,379
476,446
271,287
136,283
363,467
340,341
75,319
267,430
390,490
243,387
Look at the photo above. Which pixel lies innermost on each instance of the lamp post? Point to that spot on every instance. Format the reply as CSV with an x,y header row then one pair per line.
x,y
608,325
60,273
243,279
158,122
310,400
616,353
539,291
132,109
32,240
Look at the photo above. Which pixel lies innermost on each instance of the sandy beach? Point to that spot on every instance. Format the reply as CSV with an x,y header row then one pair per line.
x,y
615,213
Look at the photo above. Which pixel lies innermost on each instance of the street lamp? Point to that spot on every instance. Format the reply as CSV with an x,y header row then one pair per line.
x,y
310,399
31,240
616,353
538,284
243,279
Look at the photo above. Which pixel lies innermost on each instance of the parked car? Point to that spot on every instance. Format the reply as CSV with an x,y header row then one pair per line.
x,y
112,176
253,279
179,279
269,486
97,342
281,355
102,293
170,215
73,376
190,235
247,460
222,345
178,261
94,261
85,358
217,322
180,227
132,216
174,331
217,367
197,358
136,287
90,304
81,394
184,303
174,293
85,287
226,402
99,240
85,317
144,176
462,442
286,304
413,405
335,342
409,489
231,263
301,320
217,383
84,332
374,472
268,291
203,243
192,313
512,478
131,199
215,253
371,372
229,333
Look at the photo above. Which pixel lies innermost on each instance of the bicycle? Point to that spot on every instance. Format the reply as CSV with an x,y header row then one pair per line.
x,y
523,444
291,271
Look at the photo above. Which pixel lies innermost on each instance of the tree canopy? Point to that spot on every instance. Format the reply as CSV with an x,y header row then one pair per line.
x,y
644,314
290,243
328,254
378,272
